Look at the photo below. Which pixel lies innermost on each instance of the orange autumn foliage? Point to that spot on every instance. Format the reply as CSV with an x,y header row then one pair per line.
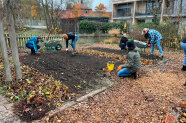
x,y
76,10
33,11
101,7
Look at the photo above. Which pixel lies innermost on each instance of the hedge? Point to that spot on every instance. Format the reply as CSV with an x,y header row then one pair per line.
x,y
104,27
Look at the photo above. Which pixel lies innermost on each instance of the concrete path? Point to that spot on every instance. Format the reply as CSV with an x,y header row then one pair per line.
x,y
6,112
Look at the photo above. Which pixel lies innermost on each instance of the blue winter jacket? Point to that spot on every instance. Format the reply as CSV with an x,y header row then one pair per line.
x,y
154,36
33,41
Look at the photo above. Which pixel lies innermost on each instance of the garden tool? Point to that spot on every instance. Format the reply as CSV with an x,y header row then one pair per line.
x,y
141,45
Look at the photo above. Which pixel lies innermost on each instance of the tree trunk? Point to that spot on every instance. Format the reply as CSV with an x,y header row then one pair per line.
x,y
45,14
13,42
4,53
181,19
162,11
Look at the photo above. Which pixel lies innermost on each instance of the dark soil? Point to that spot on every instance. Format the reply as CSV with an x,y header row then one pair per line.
x,y
143,55
81,72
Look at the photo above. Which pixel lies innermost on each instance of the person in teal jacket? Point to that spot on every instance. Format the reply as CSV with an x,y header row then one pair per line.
x,y
32,44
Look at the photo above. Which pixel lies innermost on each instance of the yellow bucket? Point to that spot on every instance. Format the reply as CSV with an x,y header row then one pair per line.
x,y
110,66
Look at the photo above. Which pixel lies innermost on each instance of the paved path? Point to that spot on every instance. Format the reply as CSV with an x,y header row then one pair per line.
x,y
6,113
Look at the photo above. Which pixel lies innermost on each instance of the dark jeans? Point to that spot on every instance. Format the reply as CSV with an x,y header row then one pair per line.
x,y
31,46
183,45
122,46
73,42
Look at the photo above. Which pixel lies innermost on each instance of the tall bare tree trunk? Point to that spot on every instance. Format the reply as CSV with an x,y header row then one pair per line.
x,y
181,19
162,11
13,42
4,52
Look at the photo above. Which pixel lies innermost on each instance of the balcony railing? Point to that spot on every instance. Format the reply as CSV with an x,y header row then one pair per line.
x,y
167,12
122,15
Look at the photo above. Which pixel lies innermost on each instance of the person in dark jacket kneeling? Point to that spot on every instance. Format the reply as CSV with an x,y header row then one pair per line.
x,y
133,62
183,45
123,42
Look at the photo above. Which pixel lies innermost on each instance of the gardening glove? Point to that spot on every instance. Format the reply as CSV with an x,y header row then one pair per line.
x,y
119,68
38,52
149,45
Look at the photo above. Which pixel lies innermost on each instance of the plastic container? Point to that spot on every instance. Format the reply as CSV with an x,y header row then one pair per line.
x,y
110,66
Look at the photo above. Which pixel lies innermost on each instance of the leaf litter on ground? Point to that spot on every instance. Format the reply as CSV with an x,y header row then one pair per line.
x,y
35,94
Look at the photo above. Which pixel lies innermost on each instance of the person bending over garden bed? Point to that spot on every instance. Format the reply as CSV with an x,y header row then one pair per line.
x,y
71,36
183,45
133,62
154,37
32,44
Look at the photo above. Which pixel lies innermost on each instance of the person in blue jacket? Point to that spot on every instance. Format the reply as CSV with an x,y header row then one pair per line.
x,y
32,44
183,45
73,37
154,37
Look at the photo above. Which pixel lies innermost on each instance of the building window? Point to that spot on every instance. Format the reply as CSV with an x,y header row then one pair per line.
x,y
86,11
150,6
141,21
124,10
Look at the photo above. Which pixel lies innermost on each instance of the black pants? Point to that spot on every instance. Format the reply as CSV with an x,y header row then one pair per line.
x,y
33,51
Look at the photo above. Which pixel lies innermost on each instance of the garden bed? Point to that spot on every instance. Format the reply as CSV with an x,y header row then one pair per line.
x,y
80,73
115,51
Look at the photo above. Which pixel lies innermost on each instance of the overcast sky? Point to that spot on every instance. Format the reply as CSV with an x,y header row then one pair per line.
x,y
96,3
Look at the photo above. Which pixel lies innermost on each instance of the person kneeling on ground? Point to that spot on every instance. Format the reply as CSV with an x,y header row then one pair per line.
x,y
74,37
183,45
123,42
133,62
32,44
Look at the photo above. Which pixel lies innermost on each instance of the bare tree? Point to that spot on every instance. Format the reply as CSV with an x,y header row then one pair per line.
x,y
4,50
51,12
9,6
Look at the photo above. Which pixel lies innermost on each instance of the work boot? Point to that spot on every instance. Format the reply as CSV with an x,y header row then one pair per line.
x,y
184,68
32,51
134,75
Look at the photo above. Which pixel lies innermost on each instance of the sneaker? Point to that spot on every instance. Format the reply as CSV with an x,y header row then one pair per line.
x,y
74,53
161,56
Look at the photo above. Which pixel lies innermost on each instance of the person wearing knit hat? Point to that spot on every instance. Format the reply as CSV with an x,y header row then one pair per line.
x,y
183,45
123,42
133,62
154,37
